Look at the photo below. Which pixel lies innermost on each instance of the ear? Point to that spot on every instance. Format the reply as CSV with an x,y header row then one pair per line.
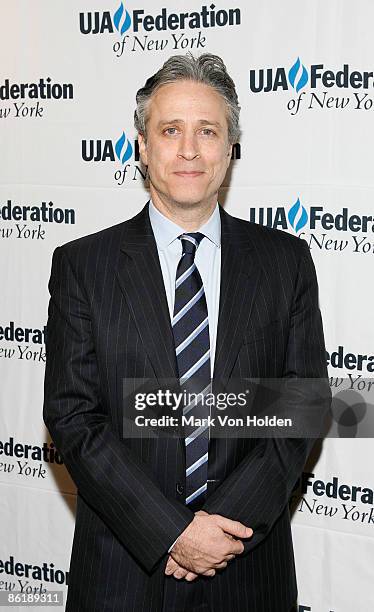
x,y
143,149
229,154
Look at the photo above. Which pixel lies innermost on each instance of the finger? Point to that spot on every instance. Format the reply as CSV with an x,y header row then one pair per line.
x,y
234,528
234,547
210,572
221,565
190,576
180,573
171,566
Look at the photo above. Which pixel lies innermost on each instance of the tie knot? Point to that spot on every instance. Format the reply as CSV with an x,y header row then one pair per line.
x,y
190,242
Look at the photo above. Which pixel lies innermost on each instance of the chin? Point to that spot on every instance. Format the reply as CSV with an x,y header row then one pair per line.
x,y
187,199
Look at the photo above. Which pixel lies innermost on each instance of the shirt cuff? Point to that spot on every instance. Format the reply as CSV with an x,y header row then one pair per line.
x,y
173,544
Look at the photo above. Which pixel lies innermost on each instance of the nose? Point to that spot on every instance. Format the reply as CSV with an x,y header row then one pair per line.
x,y
188,147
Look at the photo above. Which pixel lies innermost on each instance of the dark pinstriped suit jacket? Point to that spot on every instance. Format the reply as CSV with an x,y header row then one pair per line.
x,y
108,319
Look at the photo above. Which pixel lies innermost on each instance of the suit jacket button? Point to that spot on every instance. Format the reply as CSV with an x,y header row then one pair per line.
x,y
180,488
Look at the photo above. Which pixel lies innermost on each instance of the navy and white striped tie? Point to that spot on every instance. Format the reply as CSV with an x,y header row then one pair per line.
x,y
191,336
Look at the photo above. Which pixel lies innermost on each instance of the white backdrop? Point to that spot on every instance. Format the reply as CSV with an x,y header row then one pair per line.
x,y
69,167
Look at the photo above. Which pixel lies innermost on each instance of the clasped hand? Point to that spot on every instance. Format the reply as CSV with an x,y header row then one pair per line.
x,y
208,543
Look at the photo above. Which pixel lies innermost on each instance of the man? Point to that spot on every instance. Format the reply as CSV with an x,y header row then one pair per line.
x,y
180,290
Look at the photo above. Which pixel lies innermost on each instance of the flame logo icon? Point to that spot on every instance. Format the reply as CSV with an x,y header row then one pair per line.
x,y
297,210
303,79
123,152
118,17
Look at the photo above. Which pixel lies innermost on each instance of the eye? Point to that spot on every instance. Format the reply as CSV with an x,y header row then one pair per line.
x,y
208,132
171,131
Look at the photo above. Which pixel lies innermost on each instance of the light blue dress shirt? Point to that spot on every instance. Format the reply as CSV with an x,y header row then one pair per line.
x,y
207,259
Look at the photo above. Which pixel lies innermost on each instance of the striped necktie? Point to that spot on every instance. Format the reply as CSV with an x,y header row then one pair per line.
x,y
192,346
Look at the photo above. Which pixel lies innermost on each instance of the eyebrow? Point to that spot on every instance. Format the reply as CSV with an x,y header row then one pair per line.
x,y
201,122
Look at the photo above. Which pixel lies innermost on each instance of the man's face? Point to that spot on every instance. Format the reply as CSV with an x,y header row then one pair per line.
x,y
187,150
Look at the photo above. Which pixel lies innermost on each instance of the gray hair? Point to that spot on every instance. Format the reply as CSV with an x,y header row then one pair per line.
x,y
208,69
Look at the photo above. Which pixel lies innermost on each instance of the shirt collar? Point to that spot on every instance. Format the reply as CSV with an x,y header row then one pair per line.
x,y
166,231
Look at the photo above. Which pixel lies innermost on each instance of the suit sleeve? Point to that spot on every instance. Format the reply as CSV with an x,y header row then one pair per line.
x,y
116,484
258,490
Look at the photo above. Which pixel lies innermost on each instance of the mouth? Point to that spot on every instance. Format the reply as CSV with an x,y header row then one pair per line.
x,y
189,174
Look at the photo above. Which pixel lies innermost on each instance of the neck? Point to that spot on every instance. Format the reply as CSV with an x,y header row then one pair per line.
x,y
188,216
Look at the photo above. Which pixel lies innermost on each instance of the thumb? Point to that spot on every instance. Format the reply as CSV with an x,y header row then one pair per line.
x,y
234,528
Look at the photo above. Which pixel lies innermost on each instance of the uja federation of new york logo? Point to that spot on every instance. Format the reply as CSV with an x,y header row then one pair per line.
x,y
321,227
316,86
144,30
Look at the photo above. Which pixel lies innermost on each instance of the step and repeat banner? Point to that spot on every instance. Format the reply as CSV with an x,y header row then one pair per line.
x,y
70,166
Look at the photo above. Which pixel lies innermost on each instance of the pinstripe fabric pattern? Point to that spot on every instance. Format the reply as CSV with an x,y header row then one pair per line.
x,y
108,319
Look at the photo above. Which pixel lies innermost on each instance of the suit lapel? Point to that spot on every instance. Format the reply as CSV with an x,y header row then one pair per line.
x,y
140,278
239,278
